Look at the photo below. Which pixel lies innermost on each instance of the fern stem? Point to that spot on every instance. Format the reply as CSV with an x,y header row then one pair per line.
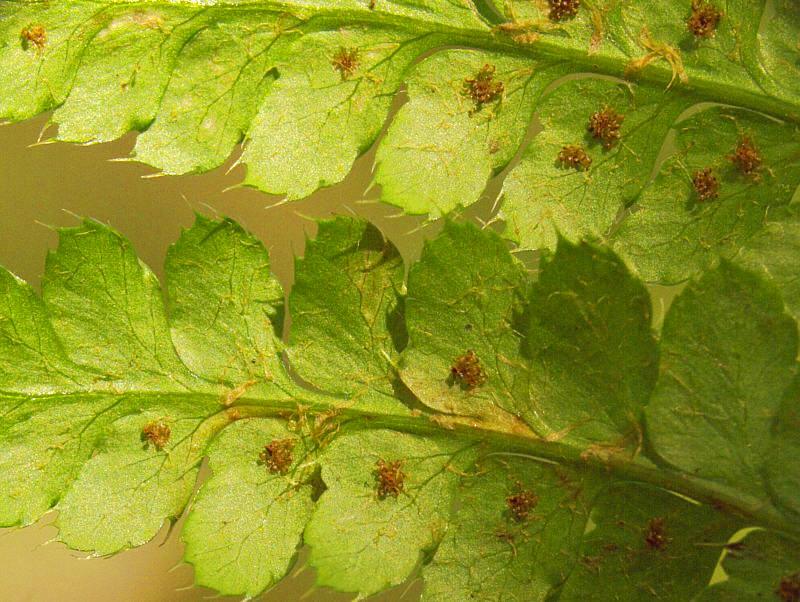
x,y
619,466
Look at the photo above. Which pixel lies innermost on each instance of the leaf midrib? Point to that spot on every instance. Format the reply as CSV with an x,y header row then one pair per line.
x,y
621,466
705,89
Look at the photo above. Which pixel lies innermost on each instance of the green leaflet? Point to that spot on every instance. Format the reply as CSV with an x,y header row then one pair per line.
x,y
44,444
782,472
365,542
646,542
760,566
463,295
346,334
728,356
591,353
308,86
224,304
32,355
122,335
774,252
524,470
331,105
443,145
671,231
491,554
544,196
246,523
122,495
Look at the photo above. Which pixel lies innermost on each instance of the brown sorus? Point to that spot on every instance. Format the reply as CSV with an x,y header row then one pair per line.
x,y
706,184
704,19
656,535
468,370
746,157
277,455
605,126
521,503
156,433
390,478
563,9
345,61
483,88
34,35
789,588
574,156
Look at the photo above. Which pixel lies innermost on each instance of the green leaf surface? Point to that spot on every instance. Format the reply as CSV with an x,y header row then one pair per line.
x,y
532,478
122,495
32,355
545,197
762,566
728,355
307,87
783,471
363,541
44,445
346,335
490,554
647,543
774,252
443,145
121,335
592,356
463,295
672,232
246,523
224,302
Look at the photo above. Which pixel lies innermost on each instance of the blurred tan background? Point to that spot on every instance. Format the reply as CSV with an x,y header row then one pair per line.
x,y
48,185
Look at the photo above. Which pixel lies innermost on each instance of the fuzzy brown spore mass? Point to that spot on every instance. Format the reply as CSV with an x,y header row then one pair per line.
x,y
704,19
278,455
563,9
345,61
467,369
521,503
484,88
705,184
605,126
156,433
656,534
390,478
746,157
574,156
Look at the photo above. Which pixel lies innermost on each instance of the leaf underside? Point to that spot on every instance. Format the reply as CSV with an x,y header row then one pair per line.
x,y
505,437
307,86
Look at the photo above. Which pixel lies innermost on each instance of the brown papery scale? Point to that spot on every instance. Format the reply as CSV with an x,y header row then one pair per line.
x,y
277,455
574,156
390,478
706,184
156,433
605,126
467,369
563,9
704,19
